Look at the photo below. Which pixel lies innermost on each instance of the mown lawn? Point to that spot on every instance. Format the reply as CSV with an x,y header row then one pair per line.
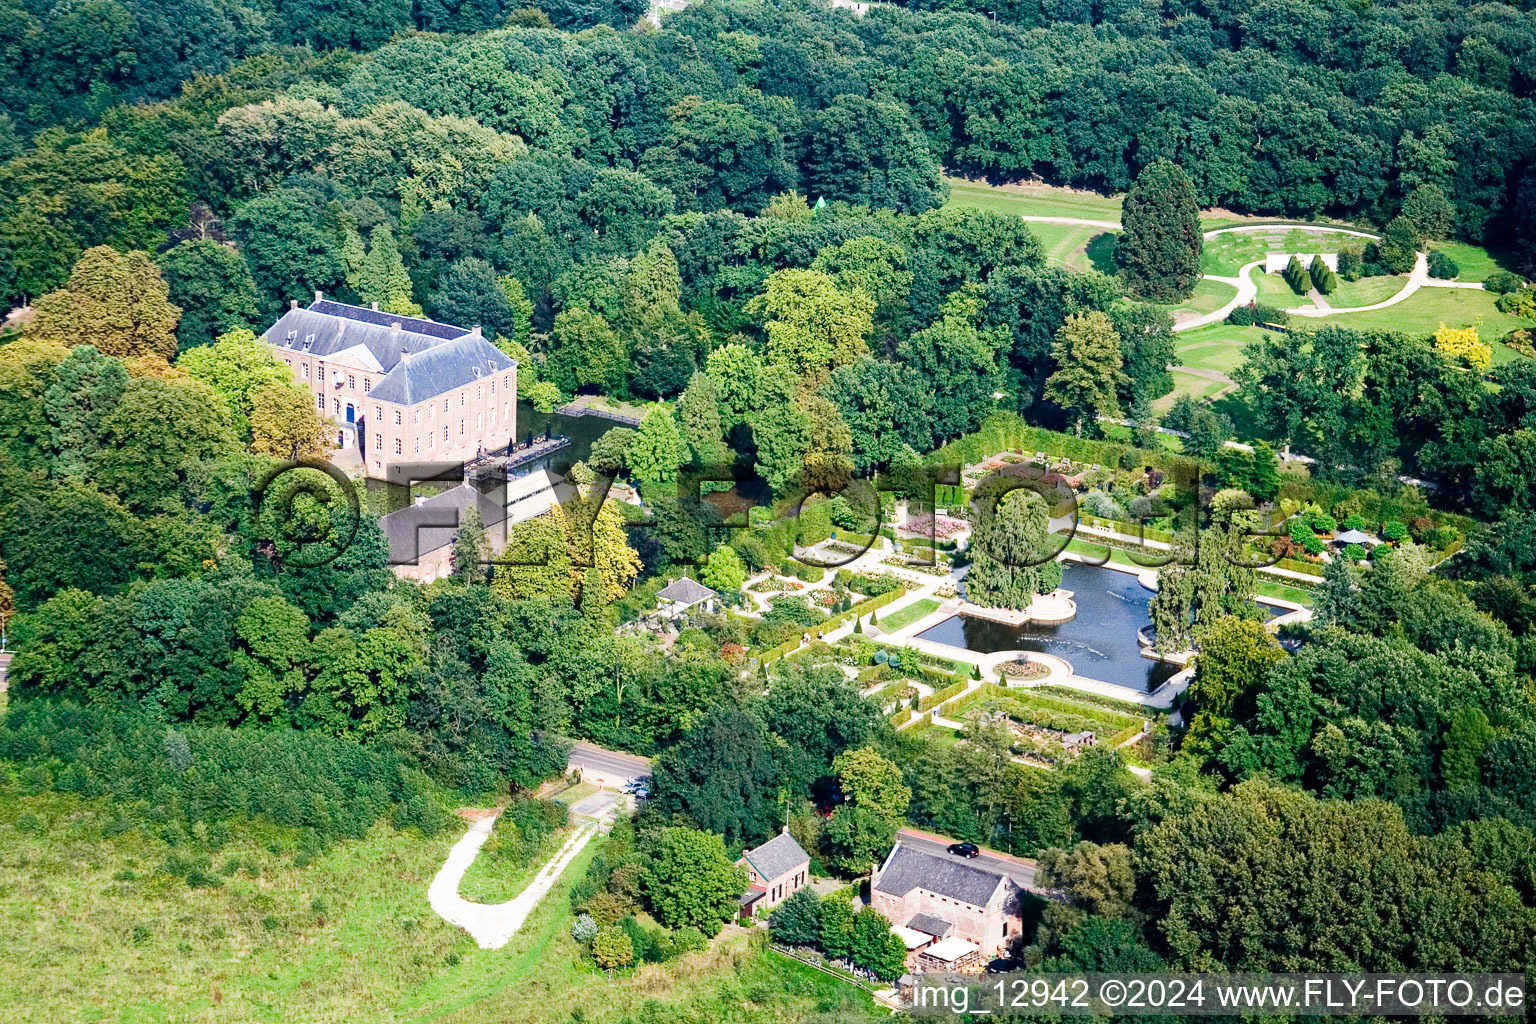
x,y
1225,255
1367,291
1208,297
1219,350
1076,246
902,617
1267,588
1474,262
1197,388
1426,309
1274,290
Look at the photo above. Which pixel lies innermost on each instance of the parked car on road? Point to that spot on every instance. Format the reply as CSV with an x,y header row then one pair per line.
x,y
964,850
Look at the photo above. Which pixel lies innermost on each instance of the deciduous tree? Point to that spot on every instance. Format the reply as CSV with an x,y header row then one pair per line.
x,y
212,285
692,882
114,301
285,424
813,327
1088,374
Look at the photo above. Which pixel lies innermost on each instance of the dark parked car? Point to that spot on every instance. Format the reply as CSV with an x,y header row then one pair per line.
x,y
964,849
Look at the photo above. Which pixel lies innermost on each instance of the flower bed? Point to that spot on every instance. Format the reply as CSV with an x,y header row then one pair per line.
x,y
775,585
1025,669
1040,708
942,527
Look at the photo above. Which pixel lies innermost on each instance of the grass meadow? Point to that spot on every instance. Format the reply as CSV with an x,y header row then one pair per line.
x,y
91,929
1033,200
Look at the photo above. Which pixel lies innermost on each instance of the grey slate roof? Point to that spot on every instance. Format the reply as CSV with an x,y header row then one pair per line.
x,y
686,591
414,531
907,869
420,360
935,926
777,856
332,327
452,364
382,318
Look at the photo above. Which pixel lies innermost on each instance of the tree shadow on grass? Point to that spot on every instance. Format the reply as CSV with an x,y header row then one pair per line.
x,y
1245,424
1101,252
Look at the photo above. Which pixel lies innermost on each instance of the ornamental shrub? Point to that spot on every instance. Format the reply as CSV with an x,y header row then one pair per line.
x,y
1323,277
1296,276
1243,316
1463,344
1442,266
1270,315
1521,303
1522,341
1352,262
1502,282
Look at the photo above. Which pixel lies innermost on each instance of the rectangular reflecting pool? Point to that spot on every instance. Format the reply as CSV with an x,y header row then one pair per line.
x,y
1100,642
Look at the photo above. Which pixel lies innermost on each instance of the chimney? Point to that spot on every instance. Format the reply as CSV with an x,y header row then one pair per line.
x,y
395,326
475,330
319,295
293,303
374,306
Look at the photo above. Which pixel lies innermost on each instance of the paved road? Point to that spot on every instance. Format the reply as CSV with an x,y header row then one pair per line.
x,y
612,766
1019,869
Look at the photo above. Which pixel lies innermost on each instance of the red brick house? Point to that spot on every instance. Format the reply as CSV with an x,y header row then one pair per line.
x,y
774,871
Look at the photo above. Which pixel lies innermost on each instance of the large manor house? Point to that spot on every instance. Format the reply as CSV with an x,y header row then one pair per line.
x,y
417,400
401,390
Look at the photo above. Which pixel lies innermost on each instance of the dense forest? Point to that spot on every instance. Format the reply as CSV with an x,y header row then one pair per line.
x,y
740,219
263,115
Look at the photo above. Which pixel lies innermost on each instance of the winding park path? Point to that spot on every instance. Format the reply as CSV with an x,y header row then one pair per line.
x,y
1419,278
493,925
1247,291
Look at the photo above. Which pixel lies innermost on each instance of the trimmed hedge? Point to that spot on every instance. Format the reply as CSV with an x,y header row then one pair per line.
x,y
1147,532
1123,707
901,717
940,696
1062,714
1309,568
1005,431
832,622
